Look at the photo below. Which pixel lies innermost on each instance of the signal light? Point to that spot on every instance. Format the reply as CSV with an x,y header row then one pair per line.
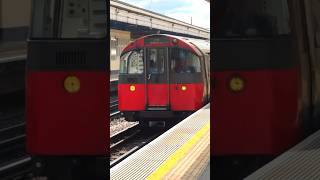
x,y
183,88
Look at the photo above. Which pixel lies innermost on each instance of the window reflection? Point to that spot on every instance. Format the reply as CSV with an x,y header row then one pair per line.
x,y
246,18
156,59
132,62
183,61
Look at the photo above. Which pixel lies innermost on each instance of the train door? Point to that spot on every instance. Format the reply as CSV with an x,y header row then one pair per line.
x,y
157,79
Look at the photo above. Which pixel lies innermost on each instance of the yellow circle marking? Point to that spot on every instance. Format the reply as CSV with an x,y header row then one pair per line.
x,y
236,84
132,88
72,84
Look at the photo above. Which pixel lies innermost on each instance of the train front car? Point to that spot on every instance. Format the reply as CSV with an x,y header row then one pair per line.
x,y
256,91
67,82
163,76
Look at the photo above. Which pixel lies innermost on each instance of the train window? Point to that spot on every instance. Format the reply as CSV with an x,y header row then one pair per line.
x,y
113,48
132,62
124,63
56,19
183,61
246,18
43,19
156,57
207,59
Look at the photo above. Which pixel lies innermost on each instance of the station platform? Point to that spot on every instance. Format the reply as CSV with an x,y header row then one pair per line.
x,y
300,162
182,152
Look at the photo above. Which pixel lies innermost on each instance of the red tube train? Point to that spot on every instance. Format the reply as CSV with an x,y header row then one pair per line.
x,y
162,76
64,70
264,96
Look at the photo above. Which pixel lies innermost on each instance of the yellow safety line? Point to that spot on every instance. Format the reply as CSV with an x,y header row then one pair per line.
x,y
167,165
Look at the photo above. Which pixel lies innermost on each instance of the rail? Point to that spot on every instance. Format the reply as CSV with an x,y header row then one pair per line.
x,y
114,112
14,162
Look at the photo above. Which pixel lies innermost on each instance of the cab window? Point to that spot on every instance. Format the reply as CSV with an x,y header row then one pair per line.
x,y
132,62
184,61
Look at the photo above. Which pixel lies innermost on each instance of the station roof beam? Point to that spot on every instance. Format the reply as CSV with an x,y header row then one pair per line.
x,y
129,14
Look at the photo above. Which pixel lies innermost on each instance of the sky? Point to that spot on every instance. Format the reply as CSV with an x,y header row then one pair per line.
x,y
182,10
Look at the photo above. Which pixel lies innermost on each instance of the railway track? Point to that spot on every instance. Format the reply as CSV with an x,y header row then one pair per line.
x,y
114,112
129,140
123,135
14,162
19,168
12,138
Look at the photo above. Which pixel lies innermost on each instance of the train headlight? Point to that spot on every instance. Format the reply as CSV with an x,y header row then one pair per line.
x,y
132,88
72,84
236,84
183,88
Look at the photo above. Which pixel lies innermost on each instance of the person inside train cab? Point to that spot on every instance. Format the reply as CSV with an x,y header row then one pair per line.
x,y
183,66
190,68
153,65
179,63
182,62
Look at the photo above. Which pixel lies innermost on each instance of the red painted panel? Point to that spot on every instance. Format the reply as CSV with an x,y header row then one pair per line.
x,y
262,119
191,99
131,100
60,123
139,43
158,94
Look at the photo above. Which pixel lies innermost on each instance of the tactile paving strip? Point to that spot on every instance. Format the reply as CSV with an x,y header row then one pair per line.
x,y
194,163
300,162
146,160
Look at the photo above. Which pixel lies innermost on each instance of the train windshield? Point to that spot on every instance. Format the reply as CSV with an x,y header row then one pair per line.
x,y
247,18
183,61
132,62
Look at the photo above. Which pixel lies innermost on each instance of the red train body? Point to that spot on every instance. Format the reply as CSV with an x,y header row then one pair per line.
x,y
63,118
151,85
260,92
263,118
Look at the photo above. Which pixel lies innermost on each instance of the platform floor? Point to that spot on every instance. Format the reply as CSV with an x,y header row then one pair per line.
x,y
183,152
206,173
300,162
